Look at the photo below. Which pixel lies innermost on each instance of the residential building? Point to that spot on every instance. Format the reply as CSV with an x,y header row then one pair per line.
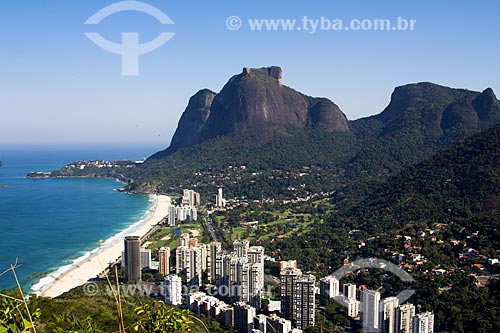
x,y
349,290
369,309
173,290
243,317
387,316
241,247
219,199
329,287
305,305
214,249
404,316
171,216
288,264
190,198
277,324
423,323
288,285
164,260
352,307
260,323
132,259
145,258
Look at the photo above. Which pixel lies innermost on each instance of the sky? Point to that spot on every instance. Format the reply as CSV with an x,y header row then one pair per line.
x,y
57,86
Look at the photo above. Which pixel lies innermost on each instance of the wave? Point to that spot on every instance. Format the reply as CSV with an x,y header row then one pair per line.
x,y
47,281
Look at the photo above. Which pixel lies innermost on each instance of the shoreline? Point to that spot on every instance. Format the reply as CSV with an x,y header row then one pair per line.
x,y
94,263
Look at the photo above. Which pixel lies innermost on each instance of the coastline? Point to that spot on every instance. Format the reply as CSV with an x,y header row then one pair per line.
x,y
94,263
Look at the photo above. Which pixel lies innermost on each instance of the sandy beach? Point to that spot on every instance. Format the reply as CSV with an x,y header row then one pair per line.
x,y
97,262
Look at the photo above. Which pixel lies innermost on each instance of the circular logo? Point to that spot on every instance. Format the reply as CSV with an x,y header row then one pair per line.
x,y
90,289
234,23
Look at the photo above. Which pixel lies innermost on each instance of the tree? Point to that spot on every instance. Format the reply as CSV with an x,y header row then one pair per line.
x,y
157,317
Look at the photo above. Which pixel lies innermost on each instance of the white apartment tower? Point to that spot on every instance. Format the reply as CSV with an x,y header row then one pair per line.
x,y
173,290
423,323
349,290
387,317
329,287
404,316
219,199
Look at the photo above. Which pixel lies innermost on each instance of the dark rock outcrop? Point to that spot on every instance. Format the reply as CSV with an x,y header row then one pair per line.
x,y
253,106
193,120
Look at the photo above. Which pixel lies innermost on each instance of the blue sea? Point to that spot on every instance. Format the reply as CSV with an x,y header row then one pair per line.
x,y
47,225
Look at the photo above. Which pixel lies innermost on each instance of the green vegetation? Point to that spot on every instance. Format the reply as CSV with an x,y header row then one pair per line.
x,y
447,205
76,312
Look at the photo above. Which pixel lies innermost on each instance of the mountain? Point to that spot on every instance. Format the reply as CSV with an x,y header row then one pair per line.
x,y
257,122
462,182
421,119
253,106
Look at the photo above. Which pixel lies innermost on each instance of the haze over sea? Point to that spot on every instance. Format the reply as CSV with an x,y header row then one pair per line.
x,y
47,224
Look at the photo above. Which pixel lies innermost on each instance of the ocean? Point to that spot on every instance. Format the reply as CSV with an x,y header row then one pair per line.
x,y
48,225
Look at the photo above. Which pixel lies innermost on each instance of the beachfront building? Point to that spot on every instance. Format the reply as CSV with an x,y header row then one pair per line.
x,y
171,216
190,198
164,260
173,290
132,259
181,213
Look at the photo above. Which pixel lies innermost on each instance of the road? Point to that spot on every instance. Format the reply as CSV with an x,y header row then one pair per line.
x,y
208,225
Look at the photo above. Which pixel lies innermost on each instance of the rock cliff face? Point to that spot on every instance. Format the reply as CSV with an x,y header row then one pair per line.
x,y
253,106
440,108
193,119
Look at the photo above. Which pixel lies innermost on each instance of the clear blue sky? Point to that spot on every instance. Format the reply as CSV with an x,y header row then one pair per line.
x,y
57,86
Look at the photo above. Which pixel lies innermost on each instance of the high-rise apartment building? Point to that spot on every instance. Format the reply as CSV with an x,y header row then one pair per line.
x,y
423,323
213,250
305,306
145,258
173,290
387,317
404,317
132,259
288,284
329,287
243,317
349,290
164,260
219,199
370,301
